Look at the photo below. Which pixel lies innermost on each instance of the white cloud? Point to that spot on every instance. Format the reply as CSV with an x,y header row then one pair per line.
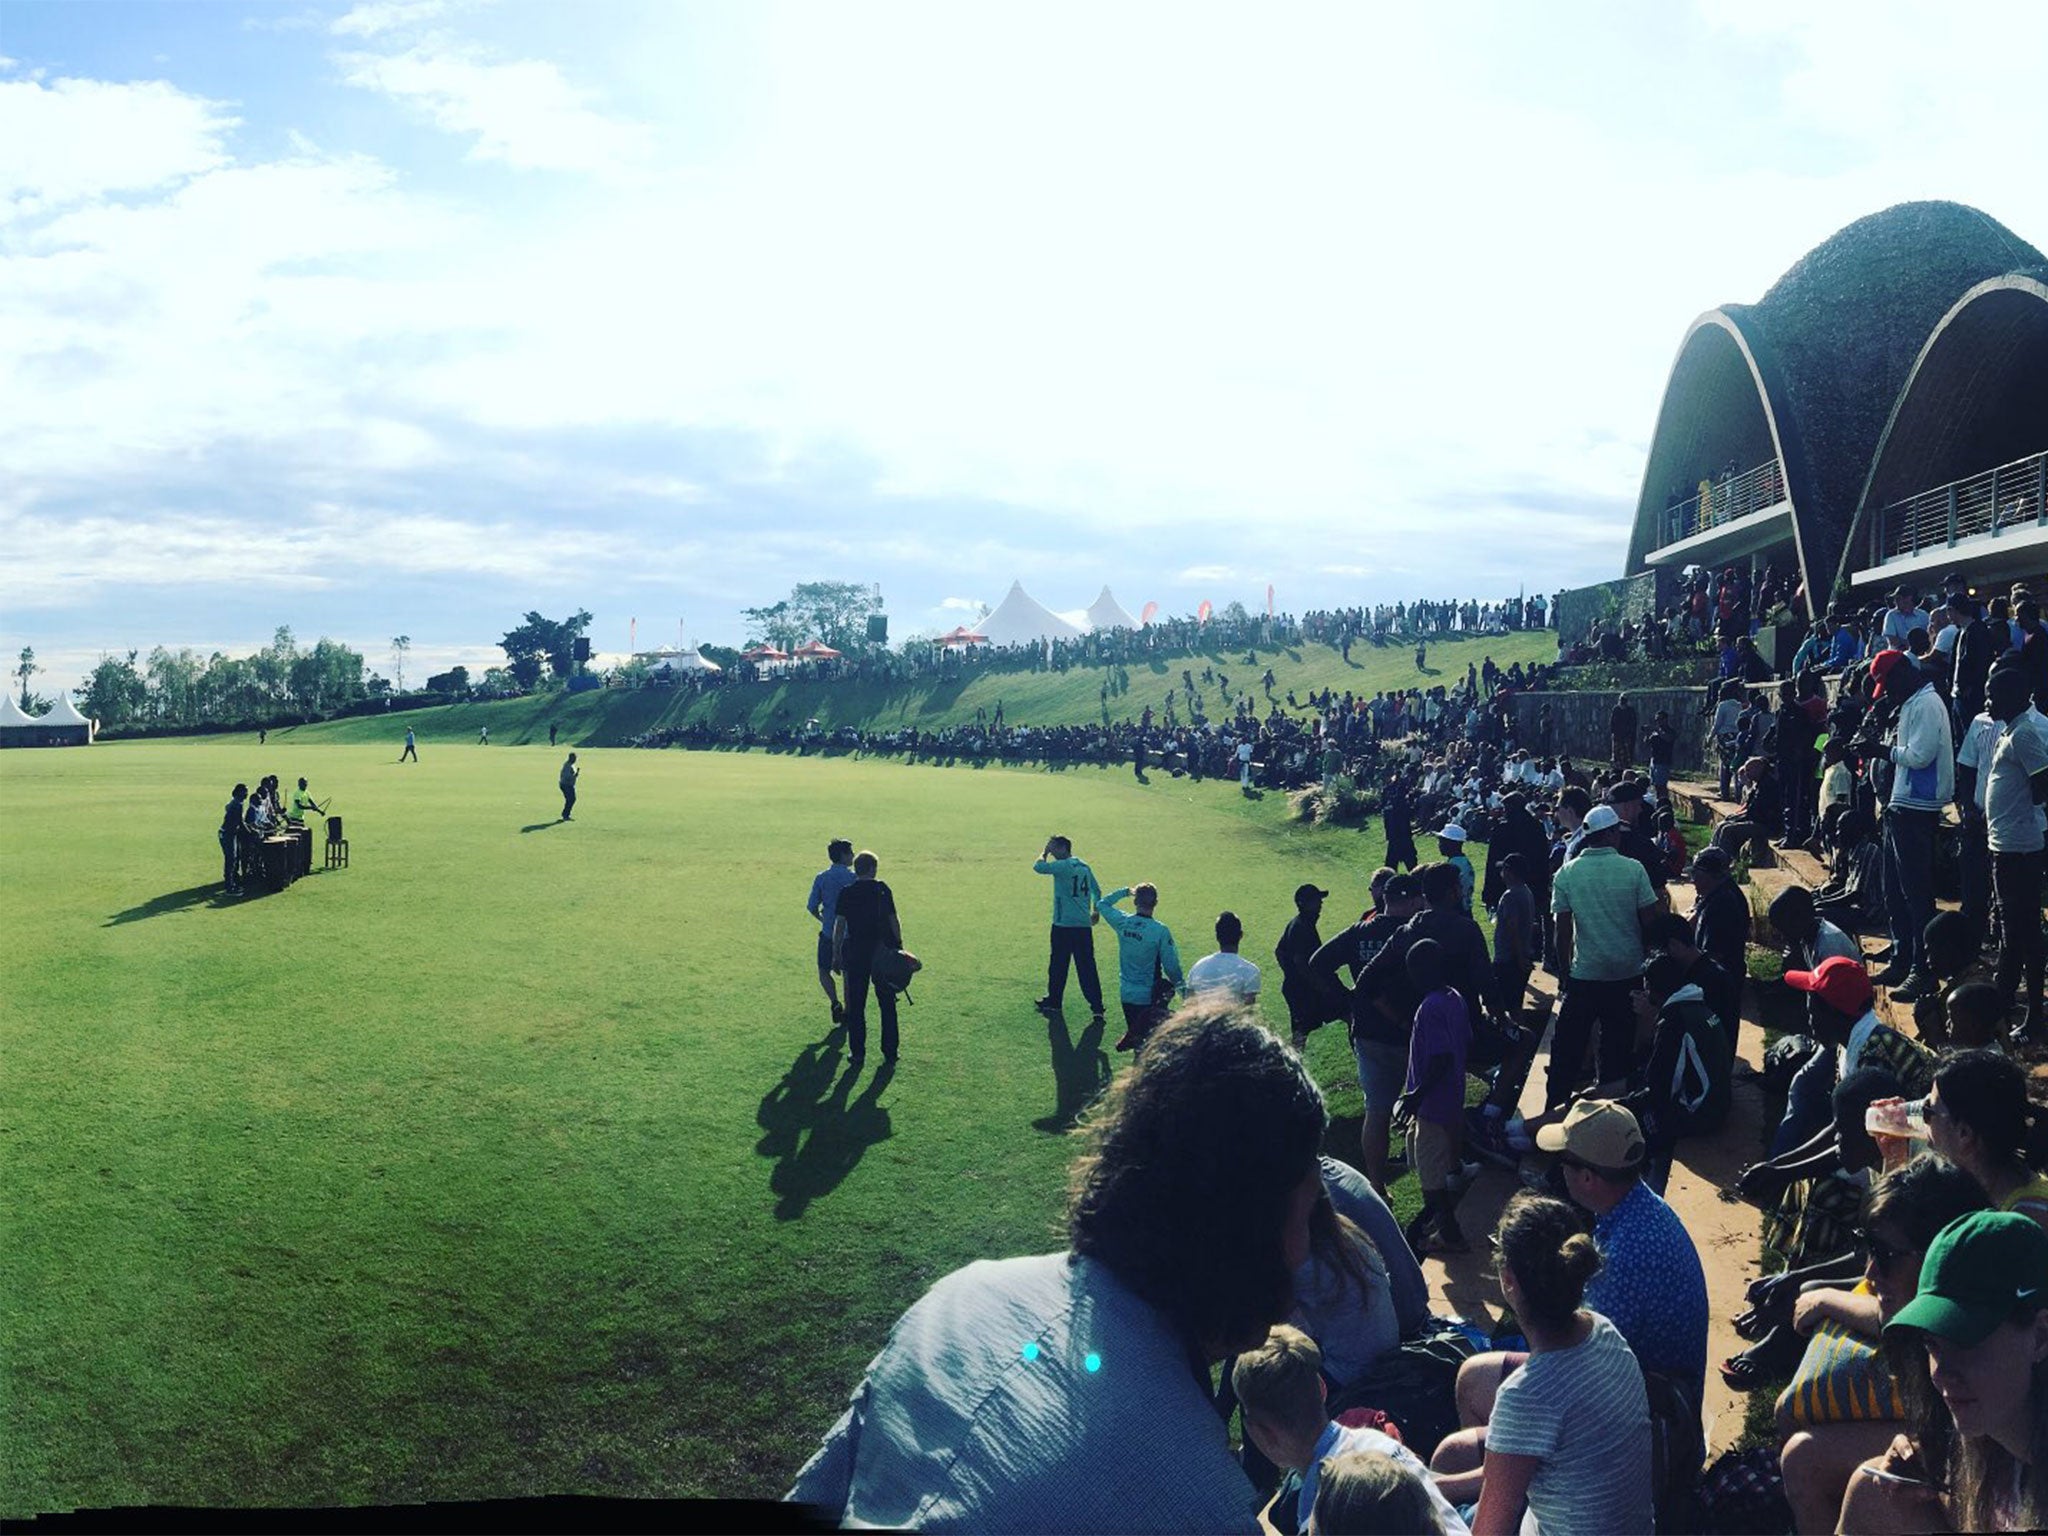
x,y
376,17
521,112
70,140
1206,573
962,605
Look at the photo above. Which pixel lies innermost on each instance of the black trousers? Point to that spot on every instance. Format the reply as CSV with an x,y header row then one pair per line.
x,y
2017,878
1078,946
858,981
1590,1007
1140,1019
568,800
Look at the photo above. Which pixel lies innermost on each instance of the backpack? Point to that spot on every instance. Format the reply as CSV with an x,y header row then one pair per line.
x,y
1743,1494
1678,1450
1415,1384
892,970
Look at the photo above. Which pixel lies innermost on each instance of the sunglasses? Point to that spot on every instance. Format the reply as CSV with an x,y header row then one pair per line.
x,y
1880,1252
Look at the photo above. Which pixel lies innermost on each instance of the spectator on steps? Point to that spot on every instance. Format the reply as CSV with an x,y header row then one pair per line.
x,y
1068,1391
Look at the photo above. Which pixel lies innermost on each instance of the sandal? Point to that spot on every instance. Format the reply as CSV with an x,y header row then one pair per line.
x,y
1752,1325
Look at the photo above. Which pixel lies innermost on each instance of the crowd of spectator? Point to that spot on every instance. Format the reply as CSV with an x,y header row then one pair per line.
x,y
1218,1264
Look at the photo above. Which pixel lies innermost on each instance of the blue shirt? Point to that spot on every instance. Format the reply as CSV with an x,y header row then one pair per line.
x,y
1652,1287
824,899
1074,891
980,1413
1355,1198
1843,650
1144,949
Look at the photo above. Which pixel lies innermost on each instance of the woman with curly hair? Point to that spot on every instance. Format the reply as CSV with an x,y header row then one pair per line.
x,y
1071,1391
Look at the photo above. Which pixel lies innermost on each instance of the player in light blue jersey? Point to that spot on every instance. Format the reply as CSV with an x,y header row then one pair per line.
x,y
1146,956
1074,894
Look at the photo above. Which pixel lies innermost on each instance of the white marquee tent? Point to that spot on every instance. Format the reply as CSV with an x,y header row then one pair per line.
x,y
63,726
1107,613
1020,618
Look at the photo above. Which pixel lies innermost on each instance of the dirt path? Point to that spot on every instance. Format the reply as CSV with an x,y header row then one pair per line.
x,y
1724,1230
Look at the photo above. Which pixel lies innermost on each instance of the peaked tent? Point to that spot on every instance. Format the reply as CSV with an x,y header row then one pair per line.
x,y
63,726
1020,619
1107,613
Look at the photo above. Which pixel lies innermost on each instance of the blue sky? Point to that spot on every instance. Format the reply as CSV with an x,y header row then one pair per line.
x,y
413,315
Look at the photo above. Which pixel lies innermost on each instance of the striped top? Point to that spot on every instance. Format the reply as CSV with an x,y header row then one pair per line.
x,y
1584,1414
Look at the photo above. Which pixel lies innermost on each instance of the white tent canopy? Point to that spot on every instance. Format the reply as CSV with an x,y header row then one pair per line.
x,y
685,660
1107,613
11,712
1020,618
63,712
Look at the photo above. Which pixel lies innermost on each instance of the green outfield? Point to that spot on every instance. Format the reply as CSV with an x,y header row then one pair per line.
x,y
517,1158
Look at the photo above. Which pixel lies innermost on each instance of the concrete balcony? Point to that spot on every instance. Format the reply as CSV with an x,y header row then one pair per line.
x,y
1736,518
1992,524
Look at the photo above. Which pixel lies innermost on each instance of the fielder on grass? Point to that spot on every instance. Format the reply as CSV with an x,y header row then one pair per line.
x,y
1074,894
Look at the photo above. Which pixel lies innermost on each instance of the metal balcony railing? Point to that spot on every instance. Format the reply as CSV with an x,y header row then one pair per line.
x,y
1738,496
1984,505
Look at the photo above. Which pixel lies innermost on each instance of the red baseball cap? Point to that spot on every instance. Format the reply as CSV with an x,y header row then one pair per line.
x,y
1882,666
1839,982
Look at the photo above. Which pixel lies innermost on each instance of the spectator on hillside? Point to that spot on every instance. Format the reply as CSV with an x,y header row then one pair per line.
x,y
1638,840
1307,1008
1450,847
1281,1388
1853,895
1671,935
1663,741
1651,1285
1434,1099
1056,1392
1979,1118
1968,1353
1379,1035
1226,972
1720,921
1566,1436
1761,818
1922,759
1843,1407
1363,1492
1684,1087
1621,731
1726,724
1602,902
2016,784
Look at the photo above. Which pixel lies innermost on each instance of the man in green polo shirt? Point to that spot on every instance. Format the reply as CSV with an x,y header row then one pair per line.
x,y
1602,901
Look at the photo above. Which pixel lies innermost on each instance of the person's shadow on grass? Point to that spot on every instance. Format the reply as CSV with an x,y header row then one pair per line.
x,y
840,1133
542,826
791,1107
213,893
1080,1071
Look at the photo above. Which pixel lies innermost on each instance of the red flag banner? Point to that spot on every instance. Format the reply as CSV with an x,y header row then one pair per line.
x,y
1202,613
1146,617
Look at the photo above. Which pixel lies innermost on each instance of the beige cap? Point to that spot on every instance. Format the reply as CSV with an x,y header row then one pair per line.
x,y
1596,1131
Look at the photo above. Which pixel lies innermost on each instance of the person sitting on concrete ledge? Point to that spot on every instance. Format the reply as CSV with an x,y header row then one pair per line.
x,y
1761,819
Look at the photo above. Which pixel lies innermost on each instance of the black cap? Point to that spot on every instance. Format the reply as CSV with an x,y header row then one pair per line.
x,y
1304,894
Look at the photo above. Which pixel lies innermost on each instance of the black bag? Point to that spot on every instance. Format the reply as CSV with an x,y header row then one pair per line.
x,y
1415,1384
1678,1451
1743,1494
892,969
1784,1059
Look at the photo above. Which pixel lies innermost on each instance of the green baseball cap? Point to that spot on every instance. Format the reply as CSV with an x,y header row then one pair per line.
x,y
1979,1270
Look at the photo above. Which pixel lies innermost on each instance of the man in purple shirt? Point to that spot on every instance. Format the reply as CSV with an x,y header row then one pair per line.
x,y
1435,1099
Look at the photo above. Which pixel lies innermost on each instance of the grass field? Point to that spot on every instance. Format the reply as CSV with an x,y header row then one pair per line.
x,y
517,1158
613,717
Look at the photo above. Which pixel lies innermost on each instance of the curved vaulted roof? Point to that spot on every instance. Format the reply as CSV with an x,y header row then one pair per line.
x,y
1976,397
1811,371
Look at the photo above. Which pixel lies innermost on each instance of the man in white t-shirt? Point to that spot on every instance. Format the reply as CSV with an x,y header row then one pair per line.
x,y
1244,763
1226,971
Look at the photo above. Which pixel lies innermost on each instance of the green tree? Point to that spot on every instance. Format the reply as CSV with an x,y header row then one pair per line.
x,y
174,686
26,668
115,694
400,644
454,680
835,612
540,640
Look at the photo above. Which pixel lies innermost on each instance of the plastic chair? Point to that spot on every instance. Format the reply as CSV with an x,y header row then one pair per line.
x,y
337,845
